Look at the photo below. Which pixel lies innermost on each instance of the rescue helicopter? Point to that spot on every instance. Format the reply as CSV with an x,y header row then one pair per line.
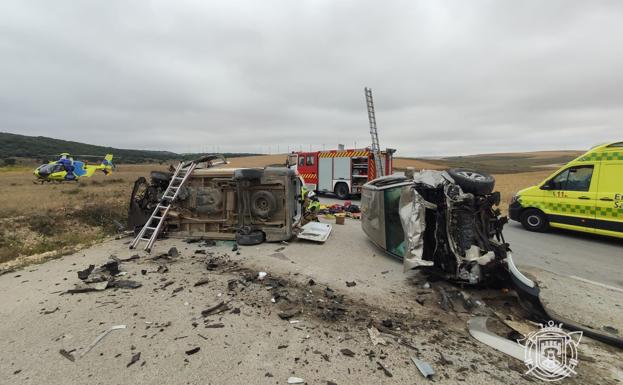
x,y
67,169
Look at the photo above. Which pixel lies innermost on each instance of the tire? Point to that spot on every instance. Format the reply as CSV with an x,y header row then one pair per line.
x,y
159,176
341,190
263,204
474,182
253,238
247,174
534,220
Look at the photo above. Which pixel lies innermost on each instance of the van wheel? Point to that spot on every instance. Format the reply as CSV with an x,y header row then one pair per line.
x,y
341,190
263,204
534,220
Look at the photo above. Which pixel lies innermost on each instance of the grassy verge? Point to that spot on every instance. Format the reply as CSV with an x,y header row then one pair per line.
x,y
53,230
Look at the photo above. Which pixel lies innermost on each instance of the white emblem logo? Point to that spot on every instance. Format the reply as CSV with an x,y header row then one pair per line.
x,y
551,353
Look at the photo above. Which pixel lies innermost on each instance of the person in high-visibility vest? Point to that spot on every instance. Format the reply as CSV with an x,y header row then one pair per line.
x,y
311,205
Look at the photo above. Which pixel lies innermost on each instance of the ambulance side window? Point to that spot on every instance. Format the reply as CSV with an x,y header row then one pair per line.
x,y
573,179
310,160
302,161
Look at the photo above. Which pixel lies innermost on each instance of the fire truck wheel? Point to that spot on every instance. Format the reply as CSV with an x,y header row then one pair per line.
x,y
263,204
247,174
252,238
341,190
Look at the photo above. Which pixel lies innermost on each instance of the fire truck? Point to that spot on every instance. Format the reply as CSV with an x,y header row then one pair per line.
x,y
342,172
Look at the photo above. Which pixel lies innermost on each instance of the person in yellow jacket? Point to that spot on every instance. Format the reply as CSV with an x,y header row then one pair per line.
x,y
311,205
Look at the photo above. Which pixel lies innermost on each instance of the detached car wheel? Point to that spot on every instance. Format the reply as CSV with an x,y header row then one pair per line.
x,y
341,190
250,239
474,182
534,220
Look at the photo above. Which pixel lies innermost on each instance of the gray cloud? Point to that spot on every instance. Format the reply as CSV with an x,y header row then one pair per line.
x,y
449,77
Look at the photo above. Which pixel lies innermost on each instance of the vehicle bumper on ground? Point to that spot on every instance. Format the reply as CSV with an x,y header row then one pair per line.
x,y
514,211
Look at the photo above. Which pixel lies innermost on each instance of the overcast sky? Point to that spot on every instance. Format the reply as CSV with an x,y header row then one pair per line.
x,y
449,77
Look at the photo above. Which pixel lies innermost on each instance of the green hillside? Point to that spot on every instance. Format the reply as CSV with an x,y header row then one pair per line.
x,y
44,148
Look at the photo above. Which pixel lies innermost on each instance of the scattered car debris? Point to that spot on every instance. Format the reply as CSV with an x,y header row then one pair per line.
x,y
201,282
347,352
478,329
84,274
131,258
166,284
192,351
424,367
134,359
384,369
101,278
261,275
315,231
375,336
215,326
287,314
124,284
100,337
295,380
85,288
67,355
216,309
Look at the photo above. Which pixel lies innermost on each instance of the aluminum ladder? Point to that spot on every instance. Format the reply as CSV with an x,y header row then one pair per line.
x,y
376,148
150,231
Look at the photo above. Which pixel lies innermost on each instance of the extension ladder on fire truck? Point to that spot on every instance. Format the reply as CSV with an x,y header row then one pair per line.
x,y
150,230
376,148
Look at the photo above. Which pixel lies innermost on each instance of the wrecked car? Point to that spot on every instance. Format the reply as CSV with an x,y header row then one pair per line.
x,y
248,205
442,219
447,221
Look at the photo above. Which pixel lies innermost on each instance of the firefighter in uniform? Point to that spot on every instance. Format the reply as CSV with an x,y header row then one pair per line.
x,y
311,205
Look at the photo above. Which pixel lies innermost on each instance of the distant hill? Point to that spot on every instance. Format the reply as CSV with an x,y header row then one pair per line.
x,y
41,147
504,163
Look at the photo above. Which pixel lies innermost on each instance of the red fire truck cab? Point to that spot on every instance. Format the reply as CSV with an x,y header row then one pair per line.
x,y
342,172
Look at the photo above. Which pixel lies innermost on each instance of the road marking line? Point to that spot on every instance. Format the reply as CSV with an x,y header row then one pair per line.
x,y
597,283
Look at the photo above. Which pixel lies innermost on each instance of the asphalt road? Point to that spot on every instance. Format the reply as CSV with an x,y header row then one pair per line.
x,y
583,256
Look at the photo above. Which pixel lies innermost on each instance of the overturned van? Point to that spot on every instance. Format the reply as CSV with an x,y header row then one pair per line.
x,y
244,204
447,220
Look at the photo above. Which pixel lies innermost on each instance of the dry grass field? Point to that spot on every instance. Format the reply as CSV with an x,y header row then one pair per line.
x,y
508,163
39,218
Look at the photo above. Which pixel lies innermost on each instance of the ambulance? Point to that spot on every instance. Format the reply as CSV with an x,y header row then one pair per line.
x,y
584,195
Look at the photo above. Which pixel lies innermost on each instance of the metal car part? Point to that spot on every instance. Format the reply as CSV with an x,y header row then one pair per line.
x,y
315,231
478,329
424,367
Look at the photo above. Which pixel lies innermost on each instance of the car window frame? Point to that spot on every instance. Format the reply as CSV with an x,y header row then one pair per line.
x,y
549,185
